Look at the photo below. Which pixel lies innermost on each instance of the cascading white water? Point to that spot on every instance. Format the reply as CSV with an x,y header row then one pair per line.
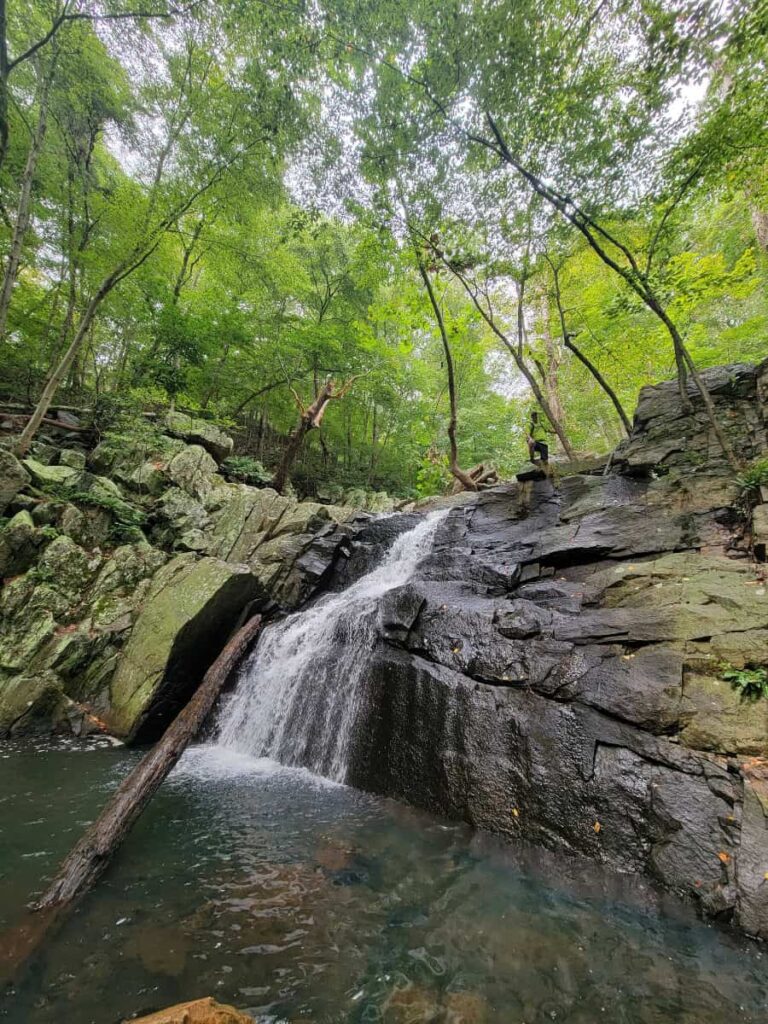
x,y
298,698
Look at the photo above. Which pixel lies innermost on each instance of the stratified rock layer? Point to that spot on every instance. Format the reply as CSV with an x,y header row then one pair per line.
x,y
555,669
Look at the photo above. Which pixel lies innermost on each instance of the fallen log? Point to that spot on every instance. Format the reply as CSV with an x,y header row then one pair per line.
x,y
22,418
88,859
91,855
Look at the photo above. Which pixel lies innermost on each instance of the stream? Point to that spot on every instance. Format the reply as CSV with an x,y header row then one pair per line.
x,y
301,900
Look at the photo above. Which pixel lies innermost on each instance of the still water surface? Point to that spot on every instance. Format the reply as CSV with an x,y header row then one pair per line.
x,y
303,901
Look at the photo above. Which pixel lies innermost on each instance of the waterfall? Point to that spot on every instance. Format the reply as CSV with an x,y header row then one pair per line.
x,y
299,696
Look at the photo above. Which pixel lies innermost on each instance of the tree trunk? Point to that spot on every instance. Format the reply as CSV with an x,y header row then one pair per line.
x,y
552,367
456,471
590,366
92,853
310,419
4,71
23,208
517,355
57,376
594,233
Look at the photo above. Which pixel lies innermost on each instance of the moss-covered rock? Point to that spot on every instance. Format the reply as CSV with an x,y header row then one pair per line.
x,y
52,476
200,432
20,544
189,611
22,640
30,703
178,513
150,478
72,458
13,477
193,470
245,520
67,566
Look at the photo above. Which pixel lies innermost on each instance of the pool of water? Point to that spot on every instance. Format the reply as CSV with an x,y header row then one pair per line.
x,y
302,901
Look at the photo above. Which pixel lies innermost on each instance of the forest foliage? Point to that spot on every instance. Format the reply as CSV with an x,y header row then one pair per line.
x,y
356,226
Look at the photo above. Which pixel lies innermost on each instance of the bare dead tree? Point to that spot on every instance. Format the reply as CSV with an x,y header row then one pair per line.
x,y
310,418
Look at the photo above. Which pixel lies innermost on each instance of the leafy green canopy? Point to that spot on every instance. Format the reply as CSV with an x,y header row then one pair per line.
x,y
268,178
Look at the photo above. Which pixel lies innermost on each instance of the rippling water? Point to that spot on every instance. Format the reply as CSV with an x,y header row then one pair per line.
x,y
304,901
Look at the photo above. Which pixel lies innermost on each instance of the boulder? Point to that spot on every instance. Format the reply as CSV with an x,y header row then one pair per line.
x,y
666,437
52,476
199,1011
193,470
29,703
188,613
20,544
760,531
355,498
72,458
245,520
200,432
179,512
88,525
104,488
44,452
149,478
554,668
67,566
13,477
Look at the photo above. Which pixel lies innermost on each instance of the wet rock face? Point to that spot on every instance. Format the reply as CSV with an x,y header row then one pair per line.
x,y
555,671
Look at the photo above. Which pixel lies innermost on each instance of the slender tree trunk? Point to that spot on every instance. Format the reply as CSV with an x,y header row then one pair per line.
x,y
456,471
23,207
552,367
4,70
310,419
584,360
632,275
374,442
59,373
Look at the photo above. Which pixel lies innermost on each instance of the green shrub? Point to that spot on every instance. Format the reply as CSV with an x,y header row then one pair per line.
x,y
751,683
752,479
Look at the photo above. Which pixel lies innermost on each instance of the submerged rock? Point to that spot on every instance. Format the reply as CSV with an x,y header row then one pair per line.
x,y
199,1011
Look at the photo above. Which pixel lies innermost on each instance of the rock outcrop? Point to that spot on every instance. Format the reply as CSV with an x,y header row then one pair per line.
x,y
555,669
186,617
96,630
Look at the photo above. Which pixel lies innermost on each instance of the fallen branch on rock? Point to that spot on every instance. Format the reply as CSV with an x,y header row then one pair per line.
x,y
92,853
480,477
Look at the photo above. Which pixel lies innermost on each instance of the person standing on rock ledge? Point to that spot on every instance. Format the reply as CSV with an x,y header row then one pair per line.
x,y
537,441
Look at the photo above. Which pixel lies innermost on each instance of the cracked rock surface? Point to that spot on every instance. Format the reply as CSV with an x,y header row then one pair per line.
x,y
554,668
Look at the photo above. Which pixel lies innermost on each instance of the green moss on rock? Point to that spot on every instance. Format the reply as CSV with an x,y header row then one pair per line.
x,y
186,618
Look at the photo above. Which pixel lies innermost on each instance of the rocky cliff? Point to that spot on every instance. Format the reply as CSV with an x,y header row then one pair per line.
x,y
556,669
126,568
